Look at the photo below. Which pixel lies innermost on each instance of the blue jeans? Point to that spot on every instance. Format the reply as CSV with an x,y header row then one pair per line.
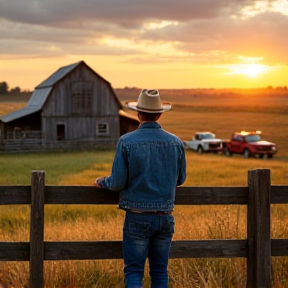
x,y
147,236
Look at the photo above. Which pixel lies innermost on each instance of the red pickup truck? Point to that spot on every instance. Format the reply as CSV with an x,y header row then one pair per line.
x,y
249,144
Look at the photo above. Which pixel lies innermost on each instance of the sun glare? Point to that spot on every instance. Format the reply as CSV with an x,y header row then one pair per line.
x,y
251,70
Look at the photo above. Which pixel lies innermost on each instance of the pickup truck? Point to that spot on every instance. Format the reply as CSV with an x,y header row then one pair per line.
x,y
249,144
204,142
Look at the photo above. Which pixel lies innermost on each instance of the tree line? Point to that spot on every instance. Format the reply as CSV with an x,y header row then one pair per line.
x,y
4,89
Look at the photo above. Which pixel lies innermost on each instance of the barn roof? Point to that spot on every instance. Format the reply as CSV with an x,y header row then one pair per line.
x,y
62,72
58,75
43,90
39,98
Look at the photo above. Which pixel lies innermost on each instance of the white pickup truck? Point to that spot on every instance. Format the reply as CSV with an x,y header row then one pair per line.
x,y
204,142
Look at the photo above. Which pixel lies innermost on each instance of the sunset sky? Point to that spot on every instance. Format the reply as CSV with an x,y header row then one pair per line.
x,y
151,43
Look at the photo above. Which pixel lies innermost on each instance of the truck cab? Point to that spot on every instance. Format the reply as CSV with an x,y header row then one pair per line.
x,y
249,144
204,142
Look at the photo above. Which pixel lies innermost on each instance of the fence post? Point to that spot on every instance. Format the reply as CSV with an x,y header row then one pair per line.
x,y
258,229
37,229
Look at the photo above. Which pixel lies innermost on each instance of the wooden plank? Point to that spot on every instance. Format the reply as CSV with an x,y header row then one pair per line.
x,y
83,250
279,194
211,195
14,251
279,247
258,229
15,195
113,249
184,195
37,229
79,195
209,249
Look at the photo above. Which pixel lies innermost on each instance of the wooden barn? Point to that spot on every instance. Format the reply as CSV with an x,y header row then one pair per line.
x,y
74,108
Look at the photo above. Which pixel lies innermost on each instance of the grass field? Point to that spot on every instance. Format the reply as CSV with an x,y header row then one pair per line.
x,y
65,222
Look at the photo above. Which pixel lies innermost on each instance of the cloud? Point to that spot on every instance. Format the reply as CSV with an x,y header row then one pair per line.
x,y
122,13
207,31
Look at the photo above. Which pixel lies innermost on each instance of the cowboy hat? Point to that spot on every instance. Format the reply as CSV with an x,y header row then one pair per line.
x,y
149,101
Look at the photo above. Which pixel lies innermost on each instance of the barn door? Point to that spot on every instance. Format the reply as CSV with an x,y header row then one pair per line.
x,y
60,132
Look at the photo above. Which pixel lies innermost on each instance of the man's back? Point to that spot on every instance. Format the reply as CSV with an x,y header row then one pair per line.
x,y
155,167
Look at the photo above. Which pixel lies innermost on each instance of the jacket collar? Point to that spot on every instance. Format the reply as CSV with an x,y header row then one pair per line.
x,y
149,125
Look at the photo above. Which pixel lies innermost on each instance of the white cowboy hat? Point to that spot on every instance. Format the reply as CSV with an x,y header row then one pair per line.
x,y
149,101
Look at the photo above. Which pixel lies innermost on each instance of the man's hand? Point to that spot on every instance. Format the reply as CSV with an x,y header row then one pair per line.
x,y
98,182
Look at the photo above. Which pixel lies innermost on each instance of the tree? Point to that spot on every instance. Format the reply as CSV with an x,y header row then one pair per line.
x,y
4,87
15,90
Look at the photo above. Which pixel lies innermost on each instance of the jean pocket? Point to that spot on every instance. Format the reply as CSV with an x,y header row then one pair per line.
x,y
168,226
136,227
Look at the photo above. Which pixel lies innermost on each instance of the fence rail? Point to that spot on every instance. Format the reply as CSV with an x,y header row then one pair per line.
x,y
258,248
23,134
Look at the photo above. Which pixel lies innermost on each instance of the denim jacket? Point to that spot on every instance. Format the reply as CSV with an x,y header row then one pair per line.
x,y
149,163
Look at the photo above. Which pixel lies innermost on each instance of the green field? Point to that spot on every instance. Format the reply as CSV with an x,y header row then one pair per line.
x,y
65,222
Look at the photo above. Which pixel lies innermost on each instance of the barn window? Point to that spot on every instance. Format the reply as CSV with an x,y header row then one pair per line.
x,y
102,128
60,132
82,98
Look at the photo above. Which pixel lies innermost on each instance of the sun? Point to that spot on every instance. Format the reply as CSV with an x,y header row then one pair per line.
x,y
250,70
253,70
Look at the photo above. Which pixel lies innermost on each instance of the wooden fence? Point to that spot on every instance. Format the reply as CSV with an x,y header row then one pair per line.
x,y
258,248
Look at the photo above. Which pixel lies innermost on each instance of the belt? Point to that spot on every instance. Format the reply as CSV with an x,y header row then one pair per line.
x,y
151,212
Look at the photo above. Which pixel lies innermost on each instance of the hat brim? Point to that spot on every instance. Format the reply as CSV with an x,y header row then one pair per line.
x,y
165,107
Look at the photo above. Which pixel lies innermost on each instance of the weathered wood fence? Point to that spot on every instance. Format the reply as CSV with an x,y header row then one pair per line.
x,y
258,248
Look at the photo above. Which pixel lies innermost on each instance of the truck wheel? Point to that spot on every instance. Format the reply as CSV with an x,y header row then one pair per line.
x,y
270,156
227,152
200,149
246,153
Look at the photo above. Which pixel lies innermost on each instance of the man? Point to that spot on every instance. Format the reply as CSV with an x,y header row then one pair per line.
x,y
148,165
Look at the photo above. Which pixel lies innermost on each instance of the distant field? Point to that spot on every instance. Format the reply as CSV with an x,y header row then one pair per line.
x,y
21,97
216,97
10,103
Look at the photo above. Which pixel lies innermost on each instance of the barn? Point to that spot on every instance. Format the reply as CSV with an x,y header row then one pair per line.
x,y
73,108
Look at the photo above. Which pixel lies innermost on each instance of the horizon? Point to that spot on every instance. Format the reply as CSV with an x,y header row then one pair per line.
x,y
268,88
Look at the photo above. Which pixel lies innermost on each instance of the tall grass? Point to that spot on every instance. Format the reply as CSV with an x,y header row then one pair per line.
x,y
84,222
